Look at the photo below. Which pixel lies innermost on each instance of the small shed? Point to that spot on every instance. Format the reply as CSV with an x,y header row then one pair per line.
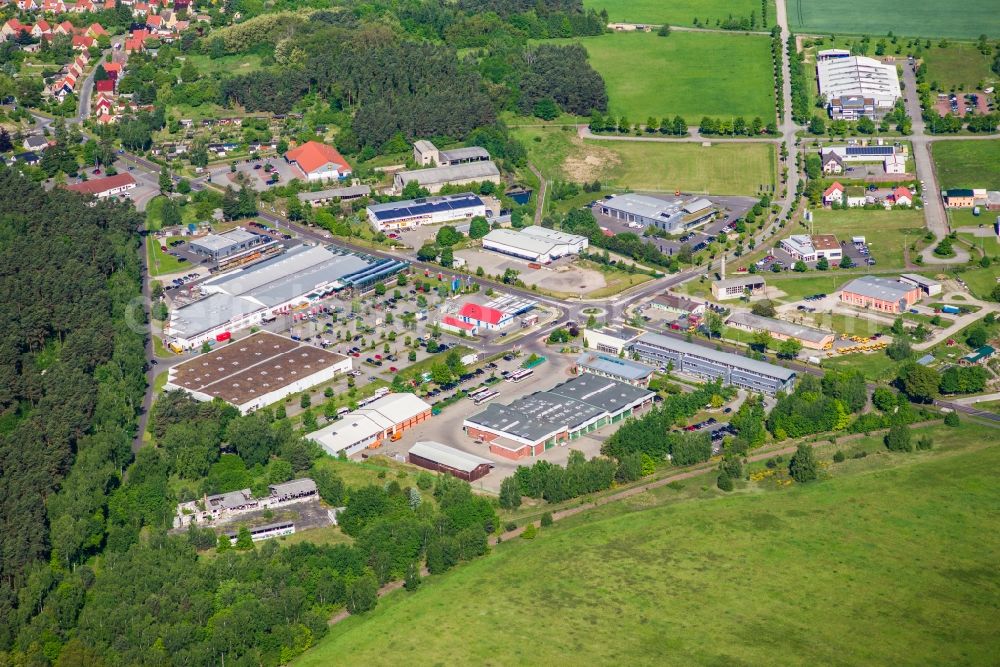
x,y
442,458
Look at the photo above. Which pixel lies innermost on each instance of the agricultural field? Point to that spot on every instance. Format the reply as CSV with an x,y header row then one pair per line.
x,y
921,18
688,74
967,164
734,169
959,66
680,12
788,574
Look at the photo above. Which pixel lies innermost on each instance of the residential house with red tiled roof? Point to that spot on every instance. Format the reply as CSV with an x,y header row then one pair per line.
x,y
82,42
12,27
83,6
319,162
833,194
105,86
41,29
53,6
64,28
901,196
95,30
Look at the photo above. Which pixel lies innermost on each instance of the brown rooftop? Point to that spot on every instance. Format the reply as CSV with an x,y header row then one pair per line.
x,y
242,370
825,242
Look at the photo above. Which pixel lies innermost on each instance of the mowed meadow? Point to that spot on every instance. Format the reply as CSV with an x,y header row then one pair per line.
x,y
914,18
726,168
889,560
689,74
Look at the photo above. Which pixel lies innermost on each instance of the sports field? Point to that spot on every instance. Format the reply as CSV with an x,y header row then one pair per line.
x,y
967,164
734,169
960,66
889,560
916,18
687,74
680,12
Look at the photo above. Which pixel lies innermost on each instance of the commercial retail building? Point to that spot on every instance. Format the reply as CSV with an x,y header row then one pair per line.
x,y
256,371
535,244
713,364
857,87
540,421
669,215
227,245
412,213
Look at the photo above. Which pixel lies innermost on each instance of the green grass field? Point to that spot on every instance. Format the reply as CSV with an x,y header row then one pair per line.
x,y
967,164
238,64
159,262
919,18
690,74
735,169
981,281
795,286
959,66
680,12
887,232
889,560
877,367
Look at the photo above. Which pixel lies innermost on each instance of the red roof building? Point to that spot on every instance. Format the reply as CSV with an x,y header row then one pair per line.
x,y
455,324
105,86
483,316
834,193
319,162
104,187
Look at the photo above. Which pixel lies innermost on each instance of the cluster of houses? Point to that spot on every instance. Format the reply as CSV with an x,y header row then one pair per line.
x,y
84,37
138,8
854,196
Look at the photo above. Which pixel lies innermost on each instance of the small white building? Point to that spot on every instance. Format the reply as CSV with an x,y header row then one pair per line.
x,y
894,164
535,244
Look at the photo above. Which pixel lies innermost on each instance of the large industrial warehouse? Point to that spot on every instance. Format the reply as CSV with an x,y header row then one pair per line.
x,y
713,364
243,298
535,244
670,216
257,371
425,211
858,86
532,424
368,426
435,178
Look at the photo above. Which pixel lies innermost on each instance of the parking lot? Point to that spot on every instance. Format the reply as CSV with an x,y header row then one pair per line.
x,y
259,172
859,253
562,275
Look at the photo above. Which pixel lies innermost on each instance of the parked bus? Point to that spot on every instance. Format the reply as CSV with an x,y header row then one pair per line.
x,y
482,398
476,392
520,375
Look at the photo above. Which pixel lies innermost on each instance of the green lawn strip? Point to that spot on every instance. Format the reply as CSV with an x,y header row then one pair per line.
x,y
921,18
687,74
680,12
237,64
159,262
801,557
374,470
967,164
887,232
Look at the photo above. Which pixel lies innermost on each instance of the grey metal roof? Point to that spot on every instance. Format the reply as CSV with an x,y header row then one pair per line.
x,y
917,279
648,207
553,235
466,153
331,193
208,313
696,205
612,365
295,486
518,241
449,456
758,323
858,76
609,395
216,242
735,360
423,146
453,172
878,288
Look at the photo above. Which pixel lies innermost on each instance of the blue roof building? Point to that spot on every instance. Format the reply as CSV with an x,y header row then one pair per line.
x,y
610,366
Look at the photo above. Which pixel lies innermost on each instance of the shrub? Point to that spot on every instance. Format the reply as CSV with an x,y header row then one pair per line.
x,y
898,438
529,532
924,442
546,519
510,525
860,454
951,419
838,457
724,482
802,466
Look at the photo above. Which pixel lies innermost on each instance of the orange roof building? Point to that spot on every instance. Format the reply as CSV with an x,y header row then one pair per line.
x,y
319,162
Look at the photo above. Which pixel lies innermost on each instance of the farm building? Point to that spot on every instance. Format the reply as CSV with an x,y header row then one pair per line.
x,y
928,286
857,87
368,426
435,178
611,339
607,365
257,371
105,187
734,288
324,197
810,337
888,296
319,162
425,211
288,283
712,364
427,154
442,458
645,211
534,423
535,244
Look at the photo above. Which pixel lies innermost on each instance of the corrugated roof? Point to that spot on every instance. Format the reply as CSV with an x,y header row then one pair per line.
x,y
759,323
423,206
349,191
728,358
449,456
216,242
605,363
465,153
303,485
454,172
878,288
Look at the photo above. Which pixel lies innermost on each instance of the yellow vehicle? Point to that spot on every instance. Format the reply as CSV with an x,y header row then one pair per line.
x,y
174,347
398,435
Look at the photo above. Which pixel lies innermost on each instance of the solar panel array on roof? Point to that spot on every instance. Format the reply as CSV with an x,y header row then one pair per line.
x,y
423,207
870,150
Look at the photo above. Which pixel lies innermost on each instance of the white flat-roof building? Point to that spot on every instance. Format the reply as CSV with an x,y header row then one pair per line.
x,y
425,211
367,427
611,339
534,243
857,86
734,288
292,281
671,216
